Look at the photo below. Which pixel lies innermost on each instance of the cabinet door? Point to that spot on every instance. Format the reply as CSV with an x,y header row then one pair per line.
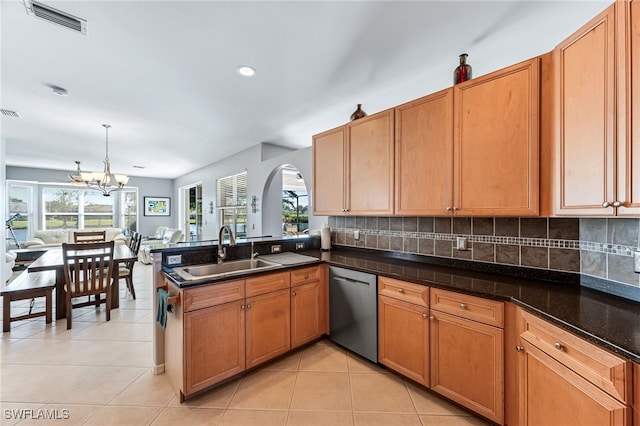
x,y
214,345
370,165
585,119
496,143
552,394
307,321
268,326
403,338
629,148
424,155
328,172
467,364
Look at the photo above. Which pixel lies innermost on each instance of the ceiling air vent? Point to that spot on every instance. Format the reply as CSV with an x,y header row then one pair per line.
x,y
55,16
9,113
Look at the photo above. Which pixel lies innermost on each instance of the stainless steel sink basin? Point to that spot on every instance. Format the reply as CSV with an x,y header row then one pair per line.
x,y
217,270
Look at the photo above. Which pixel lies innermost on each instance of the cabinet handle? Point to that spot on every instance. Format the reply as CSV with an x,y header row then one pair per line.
x,y
519,348
432,318
455,209
463,306
616,204
249,306
448,208
293,294
606,204
401,290
559,346
424,316
242,307
306,276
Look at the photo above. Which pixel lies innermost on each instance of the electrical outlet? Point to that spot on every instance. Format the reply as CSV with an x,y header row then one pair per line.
x,y
636,261
299,246
276,249
461,243
173,260
356,234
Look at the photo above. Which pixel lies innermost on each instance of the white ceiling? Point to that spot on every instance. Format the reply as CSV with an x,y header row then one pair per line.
x,y
162,73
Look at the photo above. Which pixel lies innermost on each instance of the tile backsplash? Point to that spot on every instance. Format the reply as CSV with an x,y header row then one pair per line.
x,y
600,249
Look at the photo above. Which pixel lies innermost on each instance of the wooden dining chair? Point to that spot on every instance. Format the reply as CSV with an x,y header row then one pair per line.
x,y
125,270
88,270
89,236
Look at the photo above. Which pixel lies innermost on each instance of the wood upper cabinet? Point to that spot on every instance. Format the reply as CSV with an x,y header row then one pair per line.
x,y
424,155
329,172
496,143
353,167
597,152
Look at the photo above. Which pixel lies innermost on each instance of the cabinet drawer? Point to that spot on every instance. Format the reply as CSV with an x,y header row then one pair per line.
x,y
605,370
402,290
305,275
214,294
486,311
267,283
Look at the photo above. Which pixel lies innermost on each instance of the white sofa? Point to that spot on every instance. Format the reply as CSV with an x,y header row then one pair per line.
x,y
55,237
163,235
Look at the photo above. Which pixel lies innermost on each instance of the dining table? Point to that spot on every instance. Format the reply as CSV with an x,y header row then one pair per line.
x,y
52,260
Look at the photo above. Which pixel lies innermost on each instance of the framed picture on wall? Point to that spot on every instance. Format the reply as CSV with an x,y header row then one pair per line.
x,y
157,206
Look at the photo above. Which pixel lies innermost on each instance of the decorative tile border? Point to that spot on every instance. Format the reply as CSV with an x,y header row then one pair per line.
x,y
619,249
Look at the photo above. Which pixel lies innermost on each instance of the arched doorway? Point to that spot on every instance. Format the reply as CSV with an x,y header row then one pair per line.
x,y
285,206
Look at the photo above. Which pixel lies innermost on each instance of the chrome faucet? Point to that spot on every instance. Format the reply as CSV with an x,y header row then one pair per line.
x,y
222,251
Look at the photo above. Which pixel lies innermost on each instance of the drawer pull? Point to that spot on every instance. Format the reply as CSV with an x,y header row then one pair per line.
x,y
559,346
401,291
519,348
463,306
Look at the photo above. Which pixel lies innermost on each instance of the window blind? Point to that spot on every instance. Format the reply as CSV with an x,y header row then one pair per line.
x,y
232,190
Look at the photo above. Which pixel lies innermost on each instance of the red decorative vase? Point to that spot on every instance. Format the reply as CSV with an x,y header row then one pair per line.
x,y
462,71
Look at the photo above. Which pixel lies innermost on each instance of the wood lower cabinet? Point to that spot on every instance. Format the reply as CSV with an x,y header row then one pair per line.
x,y
467,358
214,345
268,327
307,319
552,394
565,380
403,338
403,328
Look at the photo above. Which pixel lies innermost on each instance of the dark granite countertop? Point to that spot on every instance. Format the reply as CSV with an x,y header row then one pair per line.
x,y
608,321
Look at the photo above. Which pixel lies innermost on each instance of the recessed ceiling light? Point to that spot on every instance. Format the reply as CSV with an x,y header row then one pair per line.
x,y
246,71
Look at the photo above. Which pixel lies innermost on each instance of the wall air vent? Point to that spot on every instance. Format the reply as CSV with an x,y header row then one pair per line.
x,y
55,16
9,113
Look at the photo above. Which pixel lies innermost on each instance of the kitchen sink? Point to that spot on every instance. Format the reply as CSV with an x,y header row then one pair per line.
x,y
217,270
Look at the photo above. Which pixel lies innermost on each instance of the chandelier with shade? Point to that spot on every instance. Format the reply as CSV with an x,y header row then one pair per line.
x,y
104,181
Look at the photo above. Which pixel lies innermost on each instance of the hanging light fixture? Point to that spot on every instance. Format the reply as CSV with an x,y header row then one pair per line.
x,y
104,181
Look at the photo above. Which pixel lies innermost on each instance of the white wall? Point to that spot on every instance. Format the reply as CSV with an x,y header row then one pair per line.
x,y
259,161
4,274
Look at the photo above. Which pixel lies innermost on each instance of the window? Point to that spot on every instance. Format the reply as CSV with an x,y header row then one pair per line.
x,y
232,203
76,208
129,211
19,214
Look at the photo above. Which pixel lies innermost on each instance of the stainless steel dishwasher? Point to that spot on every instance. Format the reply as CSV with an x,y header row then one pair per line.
x,y
353,311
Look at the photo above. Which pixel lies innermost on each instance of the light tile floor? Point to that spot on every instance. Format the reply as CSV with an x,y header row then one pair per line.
x,y
99,373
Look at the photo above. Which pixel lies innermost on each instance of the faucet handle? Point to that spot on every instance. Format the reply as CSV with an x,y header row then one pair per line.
x,y
254,255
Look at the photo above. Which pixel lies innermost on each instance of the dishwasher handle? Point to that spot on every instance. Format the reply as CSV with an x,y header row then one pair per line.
x,y
350,280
